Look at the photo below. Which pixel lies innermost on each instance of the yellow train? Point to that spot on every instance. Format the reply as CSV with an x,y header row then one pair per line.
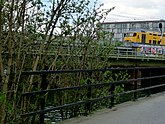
x,y
145,37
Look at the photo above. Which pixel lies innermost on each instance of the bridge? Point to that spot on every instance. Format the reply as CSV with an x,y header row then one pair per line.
x,y
125,56
96,92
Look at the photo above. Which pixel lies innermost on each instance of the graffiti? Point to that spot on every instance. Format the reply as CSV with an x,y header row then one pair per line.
x,y
150,50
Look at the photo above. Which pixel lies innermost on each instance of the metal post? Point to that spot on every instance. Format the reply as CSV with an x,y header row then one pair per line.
x,y
112,92
161,27
149,90
135,85
88,105
163,80
42,99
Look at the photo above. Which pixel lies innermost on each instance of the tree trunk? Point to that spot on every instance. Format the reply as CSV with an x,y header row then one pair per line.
x,y
9,64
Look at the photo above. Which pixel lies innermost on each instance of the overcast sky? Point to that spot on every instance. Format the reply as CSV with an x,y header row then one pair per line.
x,y
135,9
132,9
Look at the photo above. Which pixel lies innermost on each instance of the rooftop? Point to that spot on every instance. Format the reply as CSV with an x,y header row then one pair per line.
x,y
133,21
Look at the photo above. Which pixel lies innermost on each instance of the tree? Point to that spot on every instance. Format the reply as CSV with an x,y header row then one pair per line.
x,y
29,29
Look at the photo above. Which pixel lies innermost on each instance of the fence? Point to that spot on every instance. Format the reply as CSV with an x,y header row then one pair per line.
x,y
88,102
114,52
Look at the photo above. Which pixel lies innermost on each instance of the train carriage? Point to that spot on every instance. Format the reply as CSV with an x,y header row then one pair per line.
x,y
145,37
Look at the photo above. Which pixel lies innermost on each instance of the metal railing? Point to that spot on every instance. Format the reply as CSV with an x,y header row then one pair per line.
x,y
89,86
117,52
129,53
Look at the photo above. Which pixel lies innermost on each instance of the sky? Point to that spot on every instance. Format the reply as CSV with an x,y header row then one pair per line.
x,y
126,10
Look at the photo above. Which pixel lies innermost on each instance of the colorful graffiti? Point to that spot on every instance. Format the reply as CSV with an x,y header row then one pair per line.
x,y
149,50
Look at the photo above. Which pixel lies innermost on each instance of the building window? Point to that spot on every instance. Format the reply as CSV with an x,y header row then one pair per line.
x,y
124,25
132,26
142,25
119,30
155,25
107,26
147,26
118,26
150,24
112,26
138,26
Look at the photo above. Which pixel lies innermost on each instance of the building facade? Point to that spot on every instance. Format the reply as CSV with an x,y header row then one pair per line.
x,y
119,28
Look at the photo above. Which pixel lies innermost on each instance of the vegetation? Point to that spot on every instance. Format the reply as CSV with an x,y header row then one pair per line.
x,y
58,35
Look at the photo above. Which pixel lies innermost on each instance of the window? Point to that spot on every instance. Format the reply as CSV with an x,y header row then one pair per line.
x,y
159,42
150,24
134,34
154,41
147,26
107,26
112,25
132,26
124,25
154,25
119,30
150,41
128,34
118,25
142,25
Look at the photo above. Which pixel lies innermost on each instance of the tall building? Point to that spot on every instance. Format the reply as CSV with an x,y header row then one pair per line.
x,y
119,28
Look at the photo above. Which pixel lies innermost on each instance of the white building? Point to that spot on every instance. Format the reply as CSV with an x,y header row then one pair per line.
x,y
119,28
